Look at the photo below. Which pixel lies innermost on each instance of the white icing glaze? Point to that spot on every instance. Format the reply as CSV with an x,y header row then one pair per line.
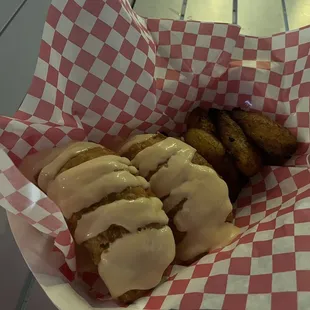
x,y
130,214
204,196
123,268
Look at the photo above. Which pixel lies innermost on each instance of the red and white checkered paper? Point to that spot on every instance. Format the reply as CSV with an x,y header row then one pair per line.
x,y
104,73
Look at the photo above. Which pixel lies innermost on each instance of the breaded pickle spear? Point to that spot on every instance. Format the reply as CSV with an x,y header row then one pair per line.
x,y
199,118
245,155
214,152
277,141
206,144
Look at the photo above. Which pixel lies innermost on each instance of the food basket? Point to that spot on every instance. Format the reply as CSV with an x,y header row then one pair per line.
x,y
105,73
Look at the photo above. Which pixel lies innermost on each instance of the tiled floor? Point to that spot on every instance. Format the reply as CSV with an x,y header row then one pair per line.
x,y
19,43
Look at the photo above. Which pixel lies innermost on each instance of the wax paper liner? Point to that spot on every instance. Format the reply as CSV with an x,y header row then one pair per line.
x,y
104,73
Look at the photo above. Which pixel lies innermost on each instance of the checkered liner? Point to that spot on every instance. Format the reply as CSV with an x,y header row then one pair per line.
x,y
104,73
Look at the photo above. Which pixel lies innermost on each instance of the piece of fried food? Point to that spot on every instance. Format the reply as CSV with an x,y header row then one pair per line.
x,y
277,141
231,175
133,150
102,241
92,238
246,157
214,152
206,145
138,147
199,118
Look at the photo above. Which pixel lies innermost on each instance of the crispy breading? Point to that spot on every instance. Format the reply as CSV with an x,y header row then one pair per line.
x,y
101,242
247,158
212,149
138,147
198,159
275,140
206,145
199,118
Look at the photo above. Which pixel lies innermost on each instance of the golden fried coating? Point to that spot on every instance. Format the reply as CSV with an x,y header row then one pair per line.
x,y
199,118
231,175
96,245
214,152
277,141
85,156
102,240
247,158
131,296
138,147
206,145
197,159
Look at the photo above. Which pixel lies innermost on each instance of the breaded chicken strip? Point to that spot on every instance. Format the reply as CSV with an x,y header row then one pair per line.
x,y
110,211
142,143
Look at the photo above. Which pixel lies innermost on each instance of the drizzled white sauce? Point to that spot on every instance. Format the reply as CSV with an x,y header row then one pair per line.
x,y
130,214
95,179
155,252
49,172
138,259
204,195
134,140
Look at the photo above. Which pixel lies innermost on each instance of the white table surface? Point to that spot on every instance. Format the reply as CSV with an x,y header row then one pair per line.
x,y
19,45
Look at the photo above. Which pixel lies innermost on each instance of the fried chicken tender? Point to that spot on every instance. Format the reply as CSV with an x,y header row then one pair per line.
x,y
138,147
275,140
198,159
199,118
214,152
246,157
89,251
97,244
